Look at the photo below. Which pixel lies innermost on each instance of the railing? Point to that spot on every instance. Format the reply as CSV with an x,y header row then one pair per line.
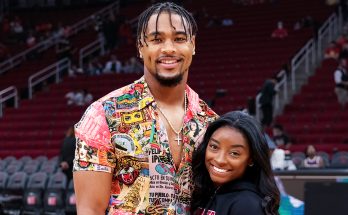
x,y
19,58
84,23
281,98
97,45
54,69
328,31
77,27
88,50
304,61
308,54
305,56
6,94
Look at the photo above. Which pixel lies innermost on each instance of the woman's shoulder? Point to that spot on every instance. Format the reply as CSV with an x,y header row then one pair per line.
x,y
241,199
242,202
242,195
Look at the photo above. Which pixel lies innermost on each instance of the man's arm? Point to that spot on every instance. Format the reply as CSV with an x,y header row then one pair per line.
x,y
92,192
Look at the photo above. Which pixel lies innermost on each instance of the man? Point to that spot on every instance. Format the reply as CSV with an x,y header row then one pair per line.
x,y
134,145
268,91
67,150
280,138
341,81
113,65
280,158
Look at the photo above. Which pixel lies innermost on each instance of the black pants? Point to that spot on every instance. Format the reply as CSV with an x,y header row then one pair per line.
x,y
267,112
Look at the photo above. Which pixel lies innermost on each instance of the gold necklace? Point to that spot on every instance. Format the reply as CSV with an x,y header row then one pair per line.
x,y
178,138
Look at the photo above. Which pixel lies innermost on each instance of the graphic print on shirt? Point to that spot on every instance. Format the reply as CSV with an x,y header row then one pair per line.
x,y
120,134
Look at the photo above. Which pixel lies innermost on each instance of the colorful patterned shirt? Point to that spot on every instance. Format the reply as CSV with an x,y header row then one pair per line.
x,y
122,134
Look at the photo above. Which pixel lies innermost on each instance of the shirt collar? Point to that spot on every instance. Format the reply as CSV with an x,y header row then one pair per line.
x,y
146,99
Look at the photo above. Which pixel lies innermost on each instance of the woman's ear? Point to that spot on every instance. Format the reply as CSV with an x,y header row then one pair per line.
x,y
250,163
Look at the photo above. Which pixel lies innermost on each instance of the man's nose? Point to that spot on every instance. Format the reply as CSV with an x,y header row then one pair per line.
x,y
168,47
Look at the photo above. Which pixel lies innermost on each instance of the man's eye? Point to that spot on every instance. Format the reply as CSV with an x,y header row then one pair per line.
x,y
180,39
156,40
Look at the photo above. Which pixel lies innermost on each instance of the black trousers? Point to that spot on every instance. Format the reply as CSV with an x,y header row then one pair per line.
x,y
267,114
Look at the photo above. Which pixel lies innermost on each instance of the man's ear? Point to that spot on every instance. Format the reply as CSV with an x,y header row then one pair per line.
x,y
140,51
193,41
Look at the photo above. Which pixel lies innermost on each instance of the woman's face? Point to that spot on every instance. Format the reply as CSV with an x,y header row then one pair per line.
x,y
227,155
311,151
193,126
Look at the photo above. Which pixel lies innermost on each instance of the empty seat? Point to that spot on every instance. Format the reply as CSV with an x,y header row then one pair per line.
x,y
55,193
48,168
298,154
54,160
2,165
31,168
14,192
25,159
3,181
297,160
16,162
38,180
70,199
33,195
339,161
13,168
339,154
41,158
33,162
17,182
325,156
9,159
58,181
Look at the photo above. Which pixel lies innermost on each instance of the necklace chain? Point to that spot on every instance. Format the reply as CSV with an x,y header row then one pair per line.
x,y
170,124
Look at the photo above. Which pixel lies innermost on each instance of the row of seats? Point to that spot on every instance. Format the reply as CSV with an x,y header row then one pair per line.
x,y
29,166
337,160
38,193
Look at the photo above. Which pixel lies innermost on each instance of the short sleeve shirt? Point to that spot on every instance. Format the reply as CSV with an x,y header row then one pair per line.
x,y
122,134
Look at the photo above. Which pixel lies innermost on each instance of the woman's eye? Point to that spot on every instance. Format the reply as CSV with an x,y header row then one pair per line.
x,y
234,154
212,146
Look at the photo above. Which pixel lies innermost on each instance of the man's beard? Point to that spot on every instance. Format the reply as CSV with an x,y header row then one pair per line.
x,y
169,82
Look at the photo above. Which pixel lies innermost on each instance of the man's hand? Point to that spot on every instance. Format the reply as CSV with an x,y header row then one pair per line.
x,y
64,165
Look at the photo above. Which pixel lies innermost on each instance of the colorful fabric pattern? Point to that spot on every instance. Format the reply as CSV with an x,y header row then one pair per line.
x,y
122,134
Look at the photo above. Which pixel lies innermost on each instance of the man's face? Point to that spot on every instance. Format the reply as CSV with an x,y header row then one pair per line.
x,y
277,132
167,53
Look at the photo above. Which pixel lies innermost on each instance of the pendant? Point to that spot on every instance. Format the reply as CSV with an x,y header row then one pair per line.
x,y
178,138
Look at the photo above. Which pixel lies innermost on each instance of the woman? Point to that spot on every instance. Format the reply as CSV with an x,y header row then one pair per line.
x,y
231,169
312,160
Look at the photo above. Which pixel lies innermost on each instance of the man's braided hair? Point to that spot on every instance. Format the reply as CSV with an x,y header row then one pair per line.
x,y
170,8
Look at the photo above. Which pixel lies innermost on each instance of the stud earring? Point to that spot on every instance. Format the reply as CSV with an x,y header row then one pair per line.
x,y
251,165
